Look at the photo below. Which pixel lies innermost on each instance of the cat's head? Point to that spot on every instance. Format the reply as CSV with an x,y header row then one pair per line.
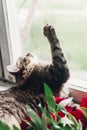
x,y
18,69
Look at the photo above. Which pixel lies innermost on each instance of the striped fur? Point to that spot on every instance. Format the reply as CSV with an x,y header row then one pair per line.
x,y
34,73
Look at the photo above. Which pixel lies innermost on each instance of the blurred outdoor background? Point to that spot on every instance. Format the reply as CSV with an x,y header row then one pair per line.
x,y
69,18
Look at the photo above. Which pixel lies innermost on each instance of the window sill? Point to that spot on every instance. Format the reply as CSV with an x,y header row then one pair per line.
x,y
78,89
5,84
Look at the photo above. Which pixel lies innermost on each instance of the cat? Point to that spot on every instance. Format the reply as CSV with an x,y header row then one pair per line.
x,y
30,72
30,76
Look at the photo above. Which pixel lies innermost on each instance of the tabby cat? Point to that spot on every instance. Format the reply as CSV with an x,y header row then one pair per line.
x,y
30,76
29,72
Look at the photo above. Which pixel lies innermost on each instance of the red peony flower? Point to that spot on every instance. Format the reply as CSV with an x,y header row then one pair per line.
x,y
49,126
84,102
61,114
69,109
23,124
77,113
57,99
53,116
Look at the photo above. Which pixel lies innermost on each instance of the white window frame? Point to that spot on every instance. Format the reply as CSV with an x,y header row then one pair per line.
x,y
10,43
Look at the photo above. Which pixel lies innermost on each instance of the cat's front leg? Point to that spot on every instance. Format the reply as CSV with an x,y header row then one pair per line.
x,y
56,50
58,59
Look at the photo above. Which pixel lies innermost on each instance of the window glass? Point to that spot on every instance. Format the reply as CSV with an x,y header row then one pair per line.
x,y
69,18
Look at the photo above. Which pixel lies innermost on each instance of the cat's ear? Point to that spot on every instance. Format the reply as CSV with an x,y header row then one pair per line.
x,y
13,69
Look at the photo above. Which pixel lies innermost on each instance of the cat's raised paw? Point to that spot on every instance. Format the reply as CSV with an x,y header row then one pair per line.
x,y
48,30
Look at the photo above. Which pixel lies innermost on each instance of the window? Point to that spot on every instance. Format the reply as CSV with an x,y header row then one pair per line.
x,y
23,24
69,19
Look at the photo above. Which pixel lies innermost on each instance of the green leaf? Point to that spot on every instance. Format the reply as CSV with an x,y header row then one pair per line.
x,y
4,126
64,111
43,109
71,117
49,98
67,128
15,128
35,118
64,128
79,126
65,121
65,102
28,123
44,123
56,126
46,114
84,110
44,117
